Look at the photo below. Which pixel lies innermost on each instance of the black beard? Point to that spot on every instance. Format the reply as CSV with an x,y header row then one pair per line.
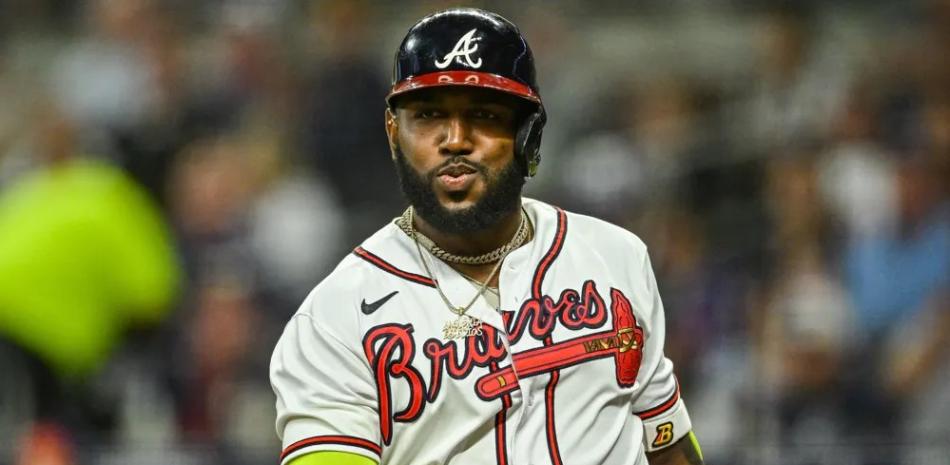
x,y
502,196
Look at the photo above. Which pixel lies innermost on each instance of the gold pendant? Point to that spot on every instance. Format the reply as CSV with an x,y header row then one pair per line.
x,y
463,326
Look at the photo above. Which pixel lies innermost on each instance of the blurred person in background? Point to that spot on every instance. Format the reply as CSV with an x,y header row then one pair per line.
x,y
124,81
104,81
856,171
340,128
619,173
291,208
144,147
796,85
887,187
706,338
254,235
208,196
899,280
85,257
804,332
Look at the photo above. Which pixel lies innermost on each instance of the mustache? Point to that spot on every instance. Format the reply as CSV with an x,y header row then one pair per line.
x,y
457,160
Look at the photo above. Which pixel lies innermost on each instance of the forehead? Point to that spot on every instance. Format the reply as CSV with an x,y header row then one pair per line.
x,y
458,96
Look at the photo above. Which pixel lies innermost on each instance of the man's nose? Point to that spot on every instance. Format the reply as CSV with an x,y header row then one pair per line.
x,y
457,138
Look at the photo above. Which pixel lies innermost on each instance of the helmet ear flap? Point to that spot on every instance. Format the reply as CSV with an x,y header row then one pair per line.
x,y
528,141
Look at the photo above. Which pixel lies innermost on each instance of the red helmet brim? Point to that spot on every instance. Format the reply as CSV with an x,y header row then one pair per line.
x,y
463,78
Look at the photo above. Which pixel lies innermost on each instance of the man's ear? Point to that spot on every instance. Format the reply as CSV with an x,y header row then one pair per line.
x,y
392,130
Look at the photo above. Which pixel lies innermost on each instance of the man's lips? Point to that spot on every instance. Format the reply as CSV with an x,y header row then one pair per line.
x,y
456,170
456,183
457,177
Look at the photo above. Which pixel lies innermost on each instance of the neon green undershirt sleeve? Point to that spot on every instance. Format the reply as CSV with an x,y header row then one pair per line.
x,y
332,458
695,442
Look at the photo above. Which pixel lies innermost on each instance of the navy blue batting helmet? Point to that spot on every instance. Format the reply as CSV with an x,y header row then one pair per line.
x,y
472,47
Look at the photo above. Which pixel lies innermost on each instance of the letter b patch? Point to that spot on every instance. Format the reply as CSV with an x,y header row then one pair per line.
x,y
664,434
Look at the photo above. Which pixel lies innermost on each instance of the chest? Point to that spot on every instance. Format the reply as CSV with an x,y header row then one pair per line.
x,y
586,329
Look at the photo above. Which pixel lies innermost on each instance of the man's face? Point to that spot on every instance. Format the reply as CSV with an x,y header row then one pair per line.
x,y
454,153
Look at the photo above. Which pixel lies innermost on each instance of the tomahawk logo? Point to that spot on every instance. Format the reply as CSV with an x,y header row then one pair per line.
x,y
464,48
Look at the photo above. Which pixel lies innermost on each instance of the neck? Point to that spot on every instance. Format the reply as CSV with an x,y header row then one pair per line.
x,y
474,243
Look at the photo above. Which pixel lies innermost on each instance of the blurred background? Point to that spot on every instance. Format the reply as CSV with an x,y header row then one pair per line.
x,y
176,175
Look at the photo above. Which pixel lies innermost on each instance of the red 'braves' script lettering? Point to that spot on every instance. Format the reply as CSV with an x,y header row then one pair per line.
x,y
390,349
479,351
573,310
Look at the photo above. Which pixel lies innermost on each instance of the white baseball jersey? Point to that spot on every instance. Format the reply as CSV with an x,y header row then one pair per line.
x,y
569,370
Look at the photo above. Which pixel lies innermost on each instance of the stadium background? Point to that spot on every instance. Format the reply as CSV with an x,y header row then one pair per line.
x,y
787,163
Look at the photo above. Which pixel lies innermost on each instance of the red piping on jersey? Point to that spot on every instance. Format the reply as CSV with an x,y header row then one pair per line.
x,y
389,268
340,440
556,245
552,254
553,447
659,409
501,446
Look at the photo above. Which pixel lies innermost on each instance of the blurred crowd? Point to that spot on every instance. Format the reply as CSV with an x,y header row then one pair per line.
x,y
175,177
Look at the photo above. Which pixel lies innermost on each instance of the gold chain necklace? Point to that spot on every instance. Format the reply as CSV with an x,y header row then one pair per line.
x,y
465,325
405,223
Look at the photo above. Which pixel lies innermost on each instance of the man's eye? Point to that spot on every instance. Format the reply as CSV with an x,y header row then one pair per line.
x,y
484,114
427,114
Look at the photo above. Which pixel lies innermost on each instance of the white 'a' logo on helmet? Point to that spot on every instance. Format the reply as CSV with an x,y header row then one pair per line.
x,y
464,48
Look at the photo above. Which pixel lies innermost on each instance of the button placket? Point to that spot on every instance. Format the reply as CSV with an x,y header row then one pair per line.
x,y
515,286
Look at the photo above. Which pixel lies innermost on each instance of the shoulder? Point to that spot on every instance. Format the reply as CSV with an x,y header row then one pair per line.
x,y
338,294
608,235
380,262
589,232
340,287
332,305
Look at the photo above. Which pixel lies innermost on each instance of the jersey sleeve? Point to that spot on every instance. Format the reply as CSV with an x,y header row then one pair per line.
x,y
326,400
658,405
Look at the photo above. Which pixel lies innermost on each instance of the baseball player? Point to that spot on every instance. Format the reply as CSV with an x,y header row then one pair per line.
x,y
479,326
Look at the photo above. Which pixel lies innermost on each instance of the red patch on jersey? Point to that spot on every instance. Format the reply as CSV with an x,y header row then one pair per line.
x,y
629,339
